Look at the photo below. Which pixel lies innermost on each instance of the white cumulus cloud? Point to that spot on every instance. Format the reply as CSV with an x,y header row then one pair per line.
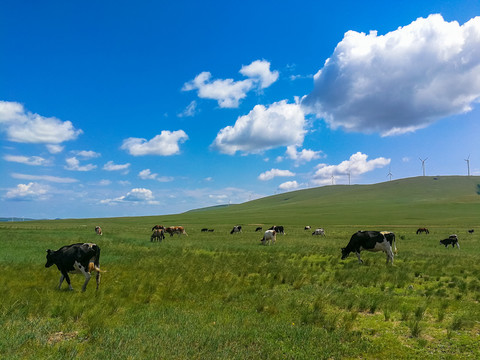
x,y
270,174
288,186
280,124
74,164
165,144
356,165
401,81
28,192
25,127
260,69
228,92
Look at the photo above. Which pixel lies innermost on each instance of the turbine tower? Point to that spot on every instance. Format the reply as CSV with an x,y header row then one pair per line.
x,y
423,165
390,174
468,164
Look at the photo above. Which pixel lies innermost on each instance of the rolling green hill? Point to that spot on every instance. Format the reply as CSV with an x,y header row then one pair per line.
x,y
440,200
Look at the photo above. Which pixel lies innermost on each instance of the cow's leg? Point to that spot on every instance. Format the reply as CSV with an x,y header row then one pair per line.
x,y
358,256
98,278
61,281
458,245
87,279
66,277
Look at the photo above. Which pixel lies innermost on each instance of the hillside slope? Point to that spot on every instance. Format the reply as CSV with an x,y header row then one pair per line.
x,y
440,200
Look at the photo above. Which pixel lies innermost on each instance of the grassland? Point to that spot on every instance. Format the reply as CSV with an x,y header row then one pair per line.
x,y
221,296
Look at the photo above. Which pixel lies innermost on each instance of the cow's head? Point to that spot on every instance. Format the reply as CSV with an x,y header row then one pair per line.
x,y
345,253
50,258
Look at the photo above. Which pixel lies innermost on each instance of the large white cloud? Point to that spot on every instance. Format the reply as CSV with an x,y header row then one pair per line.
x,y
270,174
228,92
401,81
165,144
25,127
280,124
356,165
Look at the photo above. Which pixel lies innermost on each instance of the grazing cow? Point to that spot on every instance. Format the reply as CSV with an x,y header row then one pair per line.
x,y
211,230
308,227
76,258
204,230
158,235
319,231
258,228
425,230
452,240
98,230
278,229
236,229
371,241
269,237
471,231
180,230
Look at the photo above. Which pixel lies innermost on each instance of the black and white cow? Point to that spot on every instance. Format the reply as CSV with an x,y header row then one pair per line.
x,y
452,240
319,231
76,258
236,229
269,237
259,228
370,241
278,229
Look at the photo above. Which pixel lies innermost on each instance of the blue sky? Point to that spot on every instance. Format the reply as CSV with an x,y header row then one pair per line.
x,y
122,108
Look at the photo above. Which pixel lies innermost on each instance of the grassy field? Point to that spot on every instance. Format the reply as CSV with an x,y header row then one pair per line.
x,y
220,296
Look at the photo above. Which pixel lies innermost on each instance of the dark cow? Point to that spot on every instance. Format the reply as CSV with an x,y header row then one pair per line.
x,y
319,231
76,258
259,228
371,241
471,231
180,230
278,229
98,230
157,235
204,230
425,230
236,229
452,240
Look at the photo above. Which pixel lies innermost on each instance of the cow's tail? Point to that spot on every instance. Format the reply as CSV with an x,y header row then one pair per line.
x,y
394,243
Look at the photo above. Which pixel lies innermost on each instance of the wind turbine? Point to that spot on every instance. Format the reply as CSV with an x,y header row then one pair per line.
x,y
390,174
468,164
423,165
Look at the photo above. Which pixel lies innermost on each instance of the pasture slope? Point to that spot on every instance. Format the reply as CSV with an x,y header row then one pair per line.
x,y
220,296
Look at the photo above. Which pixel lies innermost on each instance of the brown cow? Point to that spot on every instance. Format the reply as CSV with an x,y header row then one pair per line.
x,y
180,230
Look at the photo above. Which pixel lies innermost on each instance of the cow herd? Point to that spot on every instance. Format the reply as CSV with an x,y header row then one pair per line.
x,y
84,258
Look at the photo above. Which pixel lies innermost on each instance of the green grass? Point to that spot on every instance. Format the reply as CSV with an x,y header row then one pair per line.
x,y
221,296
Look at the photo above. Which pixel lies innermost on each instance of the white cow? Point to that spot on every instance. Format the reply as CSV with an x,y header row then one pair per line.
x,y
269,237
319,231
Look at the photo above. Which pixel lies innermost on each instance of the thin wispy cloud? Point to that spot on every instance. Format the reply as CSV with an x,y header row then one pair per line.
x,y
48,178
27,160
73,164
